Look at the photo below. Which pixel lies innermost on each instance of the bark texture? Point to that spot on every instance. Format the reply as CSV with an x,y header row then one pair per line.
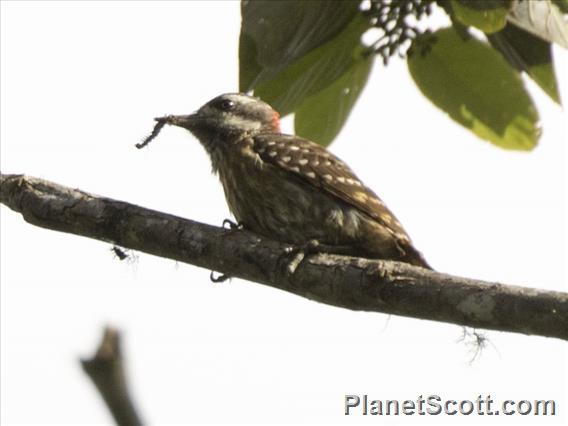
x,y
354,283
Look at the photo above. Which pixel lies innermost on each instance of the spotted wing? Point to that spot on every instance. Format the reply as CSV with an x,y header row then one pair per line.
x,y
322,169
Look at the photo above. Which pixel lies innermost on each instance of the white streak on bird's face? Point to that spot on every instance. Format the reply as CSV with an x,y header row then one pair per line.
x,y
236,122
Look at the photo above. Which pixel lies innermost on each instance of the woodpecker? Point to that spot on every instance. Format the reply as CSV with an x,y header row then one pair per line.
x,y
288,188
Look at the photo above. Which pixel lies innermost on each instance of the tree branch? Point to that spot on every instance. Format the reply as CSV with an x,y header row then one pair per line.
x,y
353,283
106,370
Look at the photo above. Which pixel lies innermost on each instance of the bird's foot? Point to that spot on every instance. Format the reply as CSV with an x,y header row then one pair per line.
x,y
298,253
233,226
219,278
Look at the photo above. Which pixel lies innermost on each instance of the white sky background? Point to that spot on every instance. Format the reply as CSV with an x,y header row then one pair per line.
x,y
81,83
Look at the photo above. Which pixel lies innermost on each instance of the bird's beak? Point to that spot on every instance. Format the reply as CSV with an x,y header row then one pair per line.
x,y
186,121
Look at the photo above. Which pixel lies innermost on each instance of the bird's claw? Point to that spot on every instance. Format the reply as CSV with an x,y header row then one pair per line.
x,y
218,279
233,226
299,253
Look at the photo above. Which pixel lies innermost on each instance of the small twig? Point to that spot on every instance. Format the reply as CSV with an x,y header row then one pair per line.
x,y
106,370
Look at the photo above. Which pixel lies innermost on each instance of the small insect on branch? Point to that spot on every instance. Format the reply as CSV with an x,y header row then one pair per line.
x,y
120,253
160,123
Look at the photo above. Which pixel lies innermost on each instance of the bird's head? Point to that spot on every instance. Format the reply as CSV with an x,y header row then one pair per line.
x,y
229,115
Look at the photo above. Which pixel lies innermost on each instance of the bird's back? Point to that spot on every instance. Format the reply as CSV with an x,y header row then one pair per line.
x,y
293,190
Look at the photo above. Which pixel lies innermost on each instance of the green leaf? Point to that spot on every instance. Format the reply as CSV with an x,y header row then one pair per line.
x,y
562,5
316,70
474,84
279,32
487,15
249,69
530,54
321,116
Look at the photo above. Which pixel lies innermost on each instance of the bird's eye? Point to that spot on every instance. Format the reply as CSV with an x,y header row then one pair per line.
x,y
226,105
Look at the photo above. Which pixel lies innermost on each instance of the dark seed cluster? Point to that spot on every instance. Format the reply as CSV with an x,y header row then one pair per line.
x,y
392,18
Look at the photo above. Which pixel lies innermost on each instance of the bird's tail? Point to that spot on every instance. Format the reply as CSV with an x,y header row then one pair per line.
x,y
414,257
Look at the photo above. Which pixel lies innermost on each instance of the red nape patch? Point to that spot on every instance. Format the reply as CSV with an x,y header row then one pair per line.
x,y
276,122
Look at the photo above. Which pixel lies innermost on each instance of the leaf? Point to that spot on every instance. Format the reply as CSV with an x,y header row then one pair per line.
x,y
530,54
473,84
249,69
321,116
562,5
316,70
541,18
280,32
487,15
